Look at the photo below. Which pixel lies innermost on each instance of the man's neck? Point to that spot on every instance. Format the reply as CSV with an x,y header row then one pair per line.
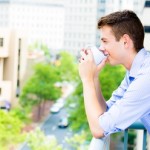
x,y
129,60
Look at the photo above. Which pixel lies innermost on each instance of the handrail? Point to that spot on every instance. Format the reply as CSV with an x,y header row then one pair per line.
x,y
137,126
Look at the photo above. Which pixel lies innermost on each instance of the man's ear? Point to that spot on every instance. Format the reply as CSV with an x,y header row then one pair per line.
x,y
128,43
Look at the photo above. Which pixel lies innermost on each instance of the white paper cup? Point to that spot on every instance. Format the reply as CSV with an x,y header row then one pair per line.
x,y
97,54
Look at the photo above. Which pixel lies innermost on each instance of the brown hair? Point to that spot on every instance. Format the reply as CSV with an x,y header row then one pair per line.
x,y
125,22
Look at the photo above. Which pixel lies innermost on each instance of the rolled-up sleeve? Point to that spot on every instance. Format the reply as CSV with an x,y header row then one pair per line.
x,y
132,106
119,92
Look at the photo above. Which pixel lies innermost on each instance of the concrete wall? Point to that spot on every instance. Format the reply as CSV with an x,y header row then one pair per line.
x,y
12,63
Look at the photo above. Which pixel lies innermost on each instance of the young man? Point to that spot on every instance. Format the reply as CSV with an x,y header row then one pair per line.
x,y
122,37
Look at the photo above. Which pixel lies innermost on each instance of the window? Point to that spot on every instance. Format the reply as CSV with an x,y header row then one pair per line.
x,y
147,4
102,1
147,29
1,42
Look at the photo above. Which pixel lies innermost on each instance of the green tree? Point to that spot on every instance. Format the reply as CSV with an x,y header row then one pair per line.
x,y
77,117
10,130
21,114
45,49
78,123
34,46
110,79
68,67
78,141
40,87
37,140
39,46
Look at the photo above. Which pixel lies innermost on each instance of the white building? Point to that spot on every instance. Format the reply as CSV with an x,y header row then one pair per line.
x,y
140,7
80,27
61,24
42,21
115,5
80,24
82,16
12,64
146,21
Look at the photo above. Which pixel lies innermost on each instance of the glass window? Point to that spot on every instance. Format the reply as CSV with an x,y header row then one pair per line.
x,y
1,42
147,29
102,1
147,4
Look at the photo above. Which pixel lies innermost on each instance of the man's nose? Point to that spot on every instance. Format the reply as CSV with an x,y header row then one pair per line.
x,y
101,48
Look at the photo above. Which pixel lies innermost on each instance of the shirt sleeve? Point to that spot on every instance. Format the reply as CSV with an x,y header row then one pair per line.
x,y
132,106
119,92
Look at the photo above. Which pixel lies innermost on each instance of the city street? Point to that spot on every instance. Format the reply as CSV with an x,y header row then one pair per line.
x,y
50,125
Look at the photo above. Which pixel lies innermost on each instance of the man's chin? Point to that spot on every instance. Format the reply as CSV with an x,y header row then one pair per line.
x,y
112,63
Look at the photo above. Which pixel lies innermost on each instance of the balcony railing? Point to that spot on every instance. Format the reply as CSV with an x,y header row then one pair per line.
x,y
136,126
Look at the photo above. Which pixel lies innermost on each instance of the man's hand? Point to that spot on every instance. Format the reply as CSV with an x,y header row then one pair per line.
x,y
88,70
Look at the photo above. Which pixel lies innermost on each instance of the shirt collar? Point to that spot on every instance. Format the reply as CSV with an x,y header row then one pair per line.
x,y
137,63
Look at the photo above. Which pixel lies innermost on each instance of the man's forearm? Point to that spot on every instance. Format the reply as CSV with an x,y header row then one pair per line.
x,y
99,94
93,107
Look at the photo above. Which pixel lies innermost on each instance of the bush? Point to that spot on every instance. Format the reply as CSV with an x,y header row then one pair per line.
x,y
10,130
36,140
78,141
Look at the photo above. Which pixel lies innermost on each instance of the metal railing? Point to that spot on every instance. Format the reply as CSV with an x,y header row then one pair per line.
x,y
136,126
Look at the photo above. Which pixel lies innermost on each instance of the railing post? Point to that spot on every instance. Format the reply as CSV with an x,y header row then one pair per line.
x,y
136,126
144,139
126,139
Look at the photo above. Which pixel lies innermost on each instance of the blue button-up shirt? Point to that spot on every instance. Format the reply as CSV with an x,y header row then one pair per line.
x,y
131,101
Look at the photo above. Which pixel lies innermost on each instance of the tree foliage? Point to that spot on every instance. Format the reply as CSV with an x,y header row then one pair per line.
x,y
39,47
68,67
78,141
37,140
77,115
110,79
10,129
40,86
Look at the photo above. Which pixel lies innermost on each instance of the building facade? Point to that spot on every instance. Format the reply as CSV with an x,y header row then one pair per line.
x,y
146,21
42,21
12,64
80,24
61,24
81,20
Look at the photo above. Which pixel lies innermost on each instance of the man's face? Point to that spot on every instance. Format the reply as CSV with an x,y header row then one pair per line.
x,y
115,49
